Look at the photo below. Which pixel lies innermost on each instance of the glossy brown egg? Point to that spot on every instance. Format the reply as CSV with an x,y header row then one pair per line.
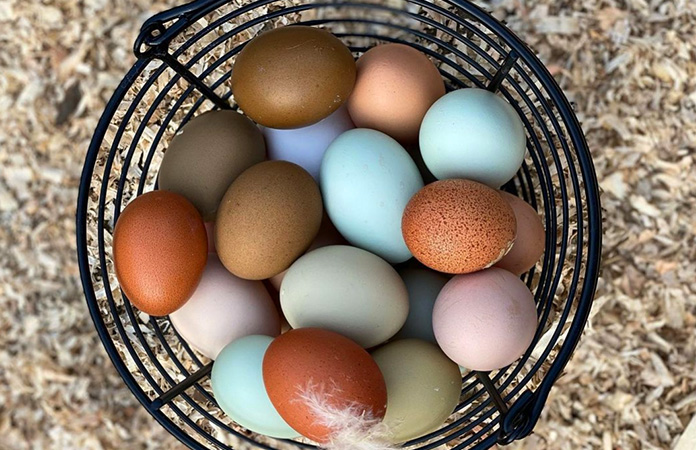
x,y
294,76
160,251
309,370
458,226
267,219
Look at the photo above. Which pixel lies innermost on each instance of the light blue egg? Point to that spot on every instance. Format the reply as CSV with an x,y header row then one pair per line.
x,y
238,387
423,286
472,134
367,178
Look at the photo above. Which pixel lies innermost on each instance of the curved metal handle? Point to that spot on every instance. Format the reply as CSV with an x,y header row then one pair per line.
x,y
155,34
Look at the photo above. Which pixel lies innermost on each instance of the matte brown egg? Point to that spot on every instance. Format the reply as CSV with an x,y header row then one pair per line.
x,y
207,155
267,219
458,226
309,370
160,251
294,76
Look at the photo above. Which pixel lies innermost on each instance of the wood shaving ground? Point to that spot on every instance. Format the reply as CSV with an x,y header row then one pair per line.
x,y
628,66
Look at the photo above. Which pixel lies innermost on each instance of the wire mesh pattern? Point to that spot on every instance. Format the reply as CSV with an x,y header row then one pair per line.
x,y
185,58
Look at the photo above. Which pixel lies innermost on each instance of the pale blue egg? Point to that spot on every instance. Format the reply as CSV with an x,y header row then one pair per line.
x,y
367,178
237,380
472,134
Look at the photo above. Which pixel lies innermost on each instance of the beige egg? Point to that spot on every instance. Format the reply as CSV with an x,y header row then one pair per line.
x,y
423,387
347,290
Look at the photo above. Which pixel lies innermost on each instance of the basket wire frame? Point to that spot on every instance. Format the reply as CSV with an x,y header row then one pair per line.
x,y
175,79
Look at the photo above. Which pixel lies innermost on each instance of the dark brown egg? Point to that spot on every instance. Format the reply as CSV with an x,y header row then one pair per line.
x,y
160,251
207,155
310,370
294,76
267,219
458,226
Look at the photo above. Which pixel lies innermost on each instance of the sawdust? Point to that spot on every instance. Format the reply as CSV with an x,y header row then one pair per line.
x,y
629,68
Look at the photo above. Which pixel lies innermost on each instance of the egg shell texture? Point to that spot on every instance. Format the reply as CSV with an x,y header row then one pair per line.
x,y
395,86
530,241
458,226
473,134
268,217
328,365
485,320
423,387
367,178
224,308
346,290
292,77
160,250
207,155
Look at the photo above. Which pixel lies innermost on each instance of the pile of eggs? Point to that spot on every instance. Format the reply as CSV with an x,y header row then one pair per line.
x,y
292,217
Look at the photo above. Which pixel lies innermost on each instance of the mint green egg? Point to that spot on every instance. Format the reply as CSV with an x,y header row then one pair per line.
x,y
237,380
473,134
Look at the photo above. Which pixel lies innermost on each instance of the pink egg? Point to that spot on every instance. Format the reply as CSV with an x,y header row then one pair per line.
x,y
530,241
224,308
484,320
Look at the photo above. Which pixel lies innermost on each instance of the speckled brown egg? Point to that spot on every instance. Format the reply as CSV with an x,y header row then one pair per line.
x,y
310,370
207,155
294,76
160,250
268,217
458,226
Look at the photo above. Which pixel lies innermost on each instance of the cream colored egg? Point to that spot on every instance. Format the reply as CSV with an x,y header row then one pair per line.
x,y
346,290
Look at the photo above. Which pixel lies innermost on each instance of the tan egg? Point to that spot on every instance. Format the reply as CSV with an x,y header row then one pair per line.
x,y
531,237
423,387
395,86
267,219
207,155
292,77
160,251
458,226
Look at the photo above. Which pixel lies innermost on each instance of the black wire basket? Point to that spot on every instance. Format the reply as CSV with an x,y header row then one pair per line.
x,y
185,57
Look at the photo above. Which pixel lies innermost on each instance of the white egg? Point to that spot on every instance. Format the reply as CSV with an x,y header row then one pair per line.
x,y
473,134
306,146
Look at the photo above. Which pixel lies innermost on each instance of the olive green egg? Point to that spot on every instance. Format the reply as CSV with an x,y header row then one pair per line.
x,y
207,156
423,387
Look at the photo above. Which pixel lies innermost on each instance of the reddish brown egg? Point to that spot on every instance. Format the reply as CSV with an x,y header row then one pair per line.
x,y
309,370
458,226
160,251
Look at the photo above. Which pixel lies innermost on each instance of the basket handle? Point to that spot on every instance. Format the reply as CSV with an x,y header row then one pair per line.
x,y
157,32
